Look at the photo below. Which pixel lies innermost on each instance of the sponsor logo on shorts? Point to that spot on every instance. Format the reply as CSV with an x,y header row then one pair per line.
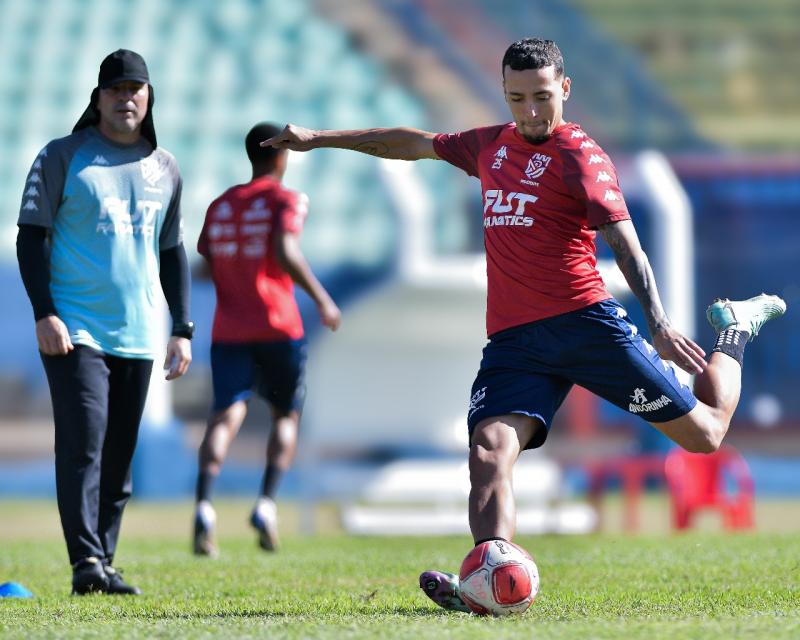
x,y
640,403
477,397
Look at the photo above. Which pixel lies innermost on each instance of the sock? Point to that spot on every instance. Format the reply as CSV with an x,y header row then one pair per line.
x,y
482,540
732,342
272,478
205,483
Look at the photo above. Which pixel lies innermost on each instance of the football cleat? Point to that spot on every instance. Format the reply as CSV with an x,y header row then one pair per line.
x,y
443,589
205,519
264,519
118,586
745,315
88,577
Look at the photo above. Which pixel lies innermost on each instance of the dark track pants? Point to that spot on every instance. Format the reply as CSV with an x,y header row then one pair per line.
x,y
98,401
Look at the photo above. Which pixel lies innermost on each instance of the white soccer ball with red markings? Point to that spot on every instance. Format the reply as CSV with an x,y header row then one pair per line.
x,y
498,578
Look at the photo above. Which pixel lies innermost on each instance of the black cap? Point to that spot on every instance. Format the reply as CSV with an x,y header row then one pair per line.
x,y
120,66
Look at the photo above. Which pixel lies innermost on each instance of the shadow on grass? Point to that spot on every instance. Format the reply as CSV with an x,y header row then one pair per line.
x,y
402,611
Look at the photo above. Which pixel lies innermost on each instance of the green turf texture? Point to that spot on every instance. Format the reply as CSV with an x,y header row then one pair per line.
x,y
706,585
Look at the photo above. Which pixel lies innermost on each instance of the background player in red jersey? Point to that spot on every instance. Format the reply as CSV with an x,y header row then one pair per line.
x,y
551,322
251,239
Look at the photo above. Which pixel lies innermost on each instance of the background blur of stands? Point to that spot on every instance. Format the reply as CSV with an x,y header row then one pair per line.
x,y
710,84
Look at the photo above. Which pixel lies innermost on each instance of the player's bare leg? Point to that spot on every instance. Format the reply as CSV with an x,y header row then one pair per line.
x,y
718,387
282,444
220,432
496,445
281,450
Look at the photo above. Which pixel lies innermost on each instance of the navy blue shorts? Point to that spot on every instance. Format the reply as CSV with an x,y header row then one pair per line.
x,y
529,369
275,369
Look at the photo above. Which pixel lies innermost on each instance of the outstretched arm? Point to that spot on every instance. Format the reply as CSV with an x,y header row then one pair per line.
x,y
290,257
632,261
396,144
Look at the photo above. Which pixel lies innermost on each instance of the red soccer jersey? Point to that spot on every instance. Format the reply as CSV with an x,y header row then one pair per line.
x,y
255,296
541,203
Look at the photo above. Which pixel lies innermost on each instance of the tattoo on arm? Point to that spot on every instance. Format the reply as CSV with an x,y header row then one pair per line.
x,y
373,148
635,266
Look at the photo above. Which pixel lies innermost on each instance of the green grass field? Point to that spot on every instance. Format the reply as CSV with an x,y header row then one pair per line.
x,y
697,585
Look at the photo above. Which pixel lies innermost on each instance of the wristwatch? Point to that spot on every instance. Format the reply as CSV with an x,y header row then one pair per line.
x,y
183,330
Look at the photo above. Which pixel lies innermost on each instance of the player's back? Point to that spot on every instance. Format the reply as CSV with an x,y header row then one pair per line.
x,y
255,296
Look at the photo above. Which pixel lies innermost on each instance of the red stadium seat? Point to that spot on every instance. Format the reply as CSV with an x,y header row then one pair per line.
x,y
704,481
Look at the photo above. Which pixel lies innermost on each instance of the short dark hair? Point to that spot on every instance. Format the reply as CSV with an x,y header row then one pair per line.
x,y
533,53
259,133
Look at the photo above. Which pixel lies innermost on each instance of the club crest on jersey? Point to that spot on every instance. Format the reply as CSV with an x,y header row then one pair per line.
x,y
537,165
152,170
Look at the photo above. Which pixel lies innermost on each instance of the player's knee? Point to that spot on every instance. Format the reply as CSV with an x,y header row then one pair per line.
x,y
284,431
209,459
704,441
489,459
484,465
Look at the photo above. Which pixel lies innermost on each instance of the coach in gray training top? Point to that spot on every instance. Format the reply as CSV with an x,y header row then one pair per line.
x,y
99,226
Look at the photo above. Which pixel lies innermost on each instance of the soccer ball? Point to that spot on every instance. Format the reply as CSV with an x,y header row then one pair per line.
x,y
498,578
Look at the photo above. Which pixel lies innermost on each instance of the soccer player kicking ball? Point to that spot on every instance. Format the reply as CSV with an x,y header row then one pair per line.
x,y
251,239
547,186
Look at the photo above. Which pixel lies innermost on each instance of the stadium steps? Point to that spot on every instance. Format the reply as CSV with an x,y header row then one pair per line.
x,y
217,68
728,64
626,110
416,63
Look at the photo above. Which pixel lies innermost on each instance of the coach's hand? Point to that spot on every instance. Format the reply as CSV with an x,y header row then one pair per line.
x,y
53,337
179,355
685,353
293,138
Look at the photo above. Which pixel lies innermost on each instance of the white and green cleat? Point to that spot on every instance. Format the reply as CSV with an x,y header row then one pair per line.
x,y
745,315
